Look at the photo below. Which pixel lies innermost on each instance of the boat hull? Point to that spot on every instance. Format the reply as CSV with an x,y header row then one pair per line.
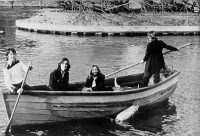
x,y
39,107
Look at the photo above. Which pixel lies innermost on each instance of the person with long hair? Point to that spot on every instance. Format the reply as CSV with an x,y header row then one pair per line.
x,y
59,78
14,71
95,80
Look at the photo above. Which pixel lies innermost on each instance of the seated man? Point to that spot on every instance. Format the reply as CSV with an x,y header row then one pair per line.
x,y
59,78
95,80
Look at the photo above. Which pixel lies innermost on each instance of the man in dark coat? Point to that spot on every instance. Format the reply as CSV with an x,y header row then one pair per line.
x,y
59,78
154,58
95,80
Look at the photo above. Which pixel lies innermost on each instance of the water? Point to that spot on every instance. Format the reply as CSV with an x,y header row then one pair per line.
x,y
179,117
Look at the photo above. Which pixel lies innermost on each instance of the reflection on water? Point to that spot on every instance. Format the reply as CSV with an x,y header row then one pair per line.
x,y
178,117
156,118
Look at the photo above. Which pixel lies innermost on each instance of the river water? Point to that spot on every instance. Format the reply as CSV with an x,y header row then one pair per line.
x,y
180,117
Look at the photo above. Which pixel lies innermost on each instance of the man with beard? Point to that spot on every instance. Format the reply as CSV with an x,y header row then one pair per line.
x,y
95,80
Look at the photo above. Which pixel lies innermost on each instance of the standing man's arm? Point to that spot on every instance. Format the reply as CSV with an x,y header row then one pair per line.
x,y
169,47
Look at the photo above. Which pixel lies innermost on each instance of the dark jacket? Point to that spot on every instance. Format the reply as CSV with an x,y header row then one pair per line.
x,y
56,82
100,82
154,57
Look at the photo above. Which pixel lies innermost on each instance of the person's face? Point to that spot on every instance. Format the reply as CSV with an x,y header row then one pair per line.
x,y
64,65
94,71
11,56
149,38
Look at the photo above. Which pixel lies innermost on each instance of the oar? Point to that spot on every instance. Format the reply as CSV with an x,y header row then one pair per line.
x,y
140,63
122,69
15,106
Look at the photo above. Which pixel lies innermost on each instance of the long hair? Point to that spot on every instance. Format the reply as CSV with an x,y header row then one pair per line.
x,y
68,63
99,71
10,50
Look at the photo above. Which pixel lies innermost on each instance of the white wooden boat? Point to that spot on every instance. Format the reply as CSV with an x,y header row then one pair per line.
x,y
44,106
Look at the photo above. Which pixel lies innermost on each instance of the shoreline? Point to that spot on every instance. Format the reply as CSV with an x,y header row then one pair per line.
x,y
107,30
55,21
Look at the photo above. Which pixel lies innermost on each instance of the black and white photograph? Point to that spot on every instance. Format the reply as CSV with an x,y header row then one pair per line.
x,y
100,67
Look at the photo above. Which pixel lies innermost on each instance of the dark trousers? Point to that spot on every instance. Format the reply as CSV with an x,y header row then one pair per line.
x,y
147,76
25,87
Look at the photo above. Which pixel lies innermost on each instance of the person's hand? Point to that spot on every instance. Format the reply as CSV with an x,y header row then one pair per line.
x,y
90,89
20,90
86,89
30,67
12,89
141,61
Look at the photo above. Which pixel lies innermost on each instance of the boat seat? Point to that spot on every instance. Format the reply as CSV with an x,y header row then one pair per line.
x,y
133,84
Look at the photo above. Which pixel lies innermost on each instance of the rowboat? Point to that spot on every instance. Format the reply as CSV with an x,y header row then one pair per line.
x,y
45,106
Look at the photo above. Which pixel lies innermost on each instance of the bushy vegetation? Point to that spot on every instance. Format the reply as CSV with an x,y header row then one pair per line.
x,y
116,6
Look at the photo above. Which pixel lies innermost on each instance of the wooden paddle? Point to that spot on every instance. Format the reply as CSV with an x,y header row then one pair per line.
x,y
15,106
140,63
122,69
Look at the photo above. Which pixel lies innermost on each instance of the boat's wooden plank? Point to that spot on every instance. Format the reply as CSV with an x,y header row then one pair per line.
x,y
31,107
39,105
94,100
24,122
75,109
36,103
61,116
73,114
34,117
63,106
158,97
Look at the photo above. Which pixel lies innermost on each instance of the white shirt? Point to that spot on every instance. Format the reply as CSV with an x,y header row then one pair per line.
x,y
94,82
15,74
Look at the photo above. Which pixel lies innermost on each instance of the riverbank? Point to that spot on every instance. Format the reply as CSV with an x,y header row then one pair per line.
x,y
91,23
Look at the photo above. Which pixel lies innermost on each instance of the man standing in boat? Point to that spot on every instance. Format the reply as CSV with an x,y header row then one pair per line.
x,y
154,58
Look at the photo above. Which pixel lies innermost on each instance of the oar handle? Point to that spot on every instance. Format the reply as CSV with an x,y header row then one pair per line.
x,y
15,106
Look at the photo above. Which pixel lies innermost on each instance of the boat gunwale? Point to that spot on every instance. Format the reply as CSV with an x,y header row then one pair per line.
x,y
99,93
94,104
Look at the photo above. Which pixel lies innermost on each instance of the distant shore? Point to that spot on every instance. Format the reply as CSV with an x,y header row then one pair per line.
x,y
62,22
58,16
